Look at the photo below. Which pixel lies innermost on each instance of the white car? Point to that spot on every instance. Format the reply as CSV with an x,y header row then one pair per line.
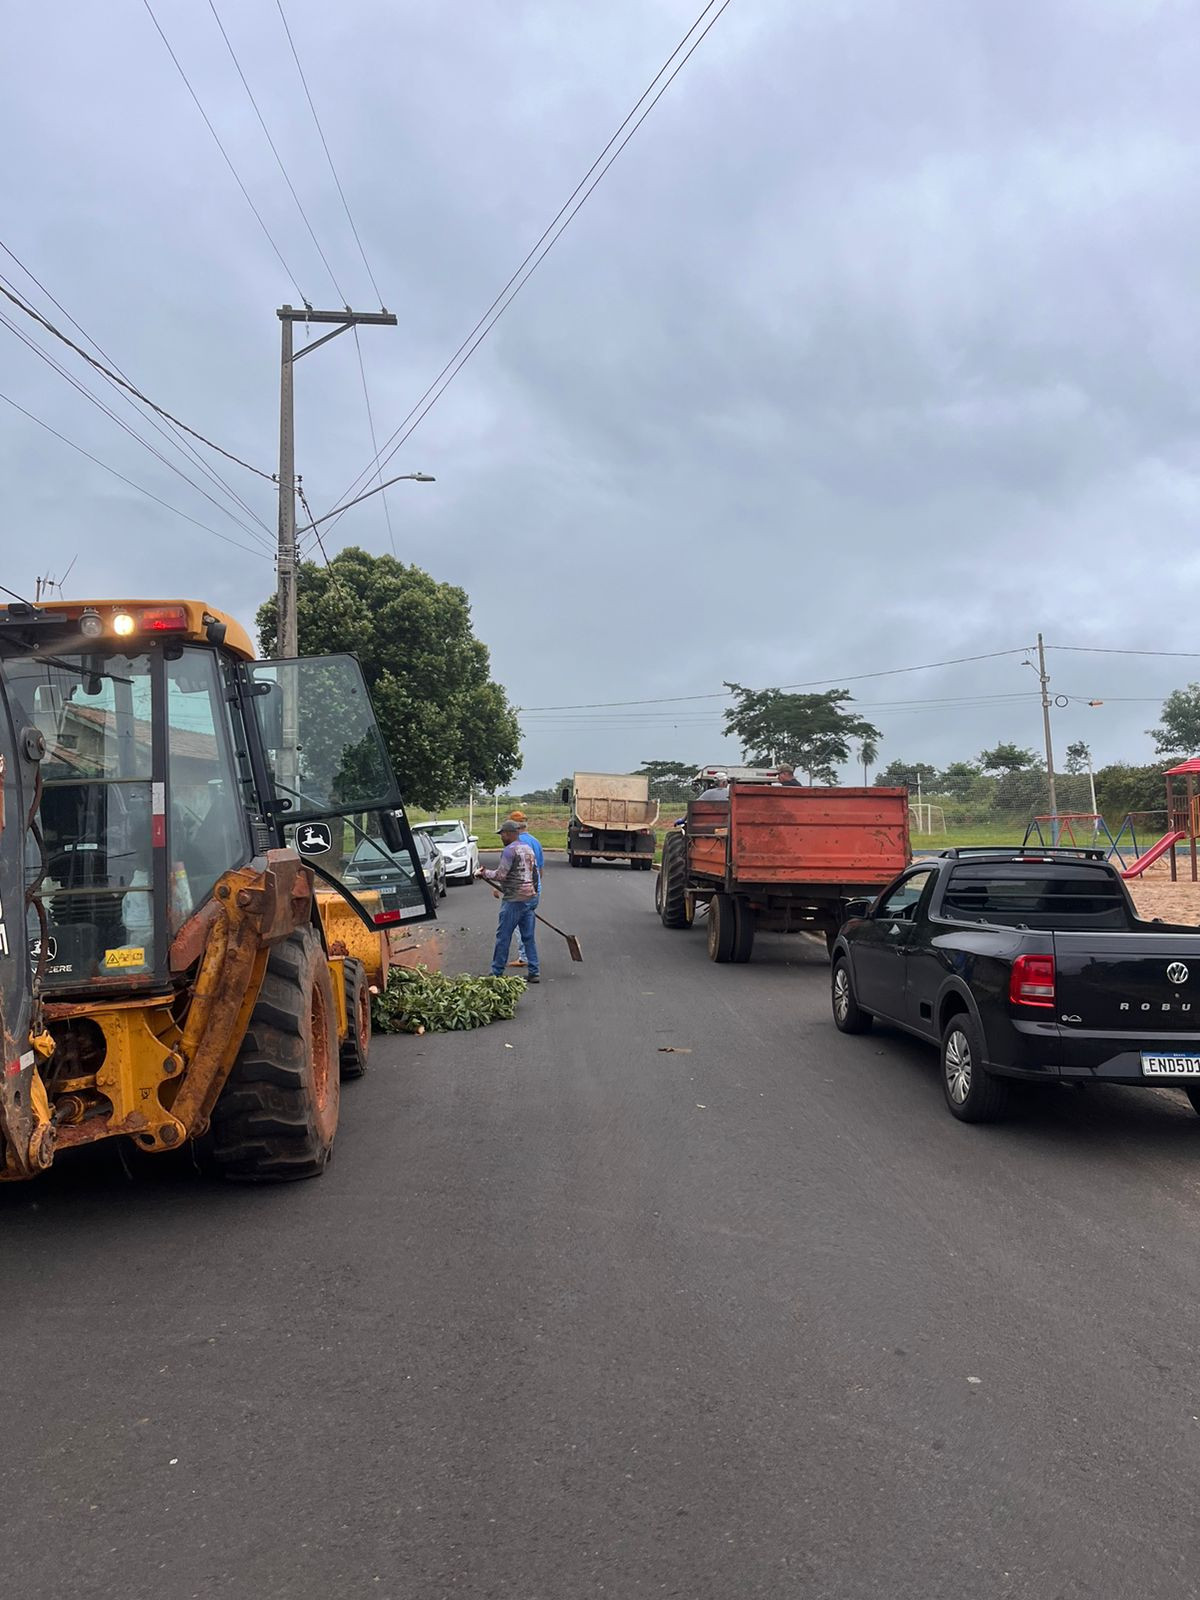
x,y
460,850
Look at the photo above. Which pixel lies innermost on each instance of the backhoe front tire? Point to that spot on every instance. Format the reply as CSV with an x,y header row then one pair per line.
x,y
278,1112
356,1046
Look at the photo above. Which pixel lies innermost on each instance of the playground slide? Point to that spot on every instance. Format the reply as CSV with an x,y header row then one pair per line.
x,y
1155,853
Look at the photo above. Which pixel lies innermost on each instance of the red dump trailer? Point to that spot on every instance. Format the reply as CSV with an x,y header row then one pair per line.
x,y
781,857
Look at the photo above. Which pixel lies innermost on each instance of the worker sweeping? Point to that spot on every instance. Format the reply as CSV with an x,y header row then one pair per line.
x,y
535,845
519,882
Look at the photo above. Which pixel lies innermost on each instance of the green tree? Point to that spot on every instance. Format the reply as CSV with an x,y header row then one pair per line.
x,y
1008,758
446,724
868,754
958,780
904,775
1079,756
670,780
1179,733
810,732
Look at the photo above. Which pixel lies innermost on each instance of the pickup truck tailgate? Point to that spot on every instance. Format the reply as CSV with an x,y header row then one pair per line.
x,y
1101,985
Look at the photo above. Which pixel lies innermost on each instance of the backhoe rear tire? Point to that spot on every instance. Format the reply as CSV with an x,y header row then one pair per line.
x,y
356,1046
278,1112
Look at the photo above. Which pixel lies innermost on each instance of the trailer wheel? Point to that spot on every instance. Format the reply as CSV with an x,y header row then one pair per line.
x,y
278,1112
673,880
743,930
357,1044
722,927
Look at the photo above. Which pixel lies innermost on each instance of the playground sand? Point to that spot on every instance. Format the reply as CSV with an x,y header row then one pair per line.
x,y
1155,895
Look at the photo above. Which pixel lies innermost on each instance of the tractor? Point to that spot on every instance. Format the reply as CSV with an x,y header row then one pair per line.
x,y
202,858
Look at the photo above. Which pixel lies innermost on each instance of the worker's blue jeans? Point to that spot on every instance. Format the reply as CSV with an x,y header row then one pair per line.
x,y
516,916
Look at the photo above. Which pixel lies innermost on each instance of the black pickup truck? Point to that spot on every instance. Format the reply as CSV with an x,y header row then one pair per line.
x,y
1023,964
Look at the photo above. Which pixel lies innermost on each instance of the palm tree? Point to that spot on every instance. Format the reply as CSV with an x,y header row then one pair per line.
x,y
867,752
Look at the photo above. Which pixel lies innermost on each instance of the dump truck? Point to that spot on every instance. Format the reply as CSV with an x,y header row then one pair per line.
x,y
201,858
612,819
756,852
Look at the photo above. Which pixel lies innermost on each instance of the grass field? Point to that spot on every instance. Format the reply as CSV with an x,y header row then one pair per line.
x,y
549,825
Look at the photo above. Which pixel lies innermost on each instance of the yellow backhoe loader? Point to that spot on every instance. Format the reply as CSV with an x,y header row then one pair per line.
x,y
201,858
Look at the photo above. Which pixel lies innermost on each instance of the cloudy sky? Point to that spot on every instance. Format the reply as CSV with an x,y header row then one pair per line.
x,y
876,347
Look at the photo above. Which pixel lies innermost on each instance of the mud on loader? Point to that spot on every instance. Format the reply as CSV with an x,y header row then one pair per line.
x,y
201,856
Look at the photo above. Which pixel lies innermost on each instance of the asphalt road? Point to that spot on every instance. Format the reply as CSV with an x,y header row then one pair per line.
x,y
571,1316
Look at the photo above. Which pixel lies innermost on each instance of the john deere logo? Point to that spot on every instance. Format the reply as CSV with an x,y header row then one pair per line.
x,y
313,839
1177,973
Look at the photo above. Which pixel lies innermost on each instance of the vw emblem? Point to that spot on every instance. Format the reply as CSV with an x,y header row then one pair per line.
x,y
1177,973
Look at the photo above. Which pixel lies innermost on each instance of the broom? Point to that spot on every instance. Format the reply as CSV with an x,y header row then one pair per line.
x,y
571,938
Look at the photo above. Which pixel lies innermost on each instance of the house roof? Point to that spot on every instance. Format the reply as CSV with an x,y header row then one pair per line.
x,y
1192,764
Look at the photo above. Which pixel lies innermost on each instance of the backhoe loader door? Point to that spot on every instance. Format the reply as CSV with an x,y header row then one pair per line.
x,y
336,795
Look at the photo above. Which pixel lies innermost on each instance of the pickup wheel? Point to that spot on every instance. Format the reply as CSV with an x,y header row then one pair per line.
x,y
848,1015
972,1093
743,931
672,880
722,927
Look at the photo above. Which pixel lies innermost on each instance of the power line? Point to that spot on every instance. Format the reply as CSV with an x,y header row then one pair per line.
x,y
113,377
177,434
328,156
549,238
225,154
217,534
124,426
812,683
278,158
1101,650
387,512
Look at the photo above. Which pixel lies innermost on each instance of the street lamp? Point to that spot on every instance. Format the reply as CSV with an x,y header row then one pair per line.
x,y
403,477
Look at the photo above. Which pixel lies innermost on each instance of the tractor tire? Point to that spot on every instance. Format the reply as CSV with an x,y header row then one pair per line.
x,y
658,888
743,930
278,1112
673,878
722,927
356,1046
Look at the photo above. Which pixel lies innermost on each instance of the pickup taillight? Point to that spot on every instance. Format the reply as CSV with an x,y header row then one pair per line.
x,y
1031,981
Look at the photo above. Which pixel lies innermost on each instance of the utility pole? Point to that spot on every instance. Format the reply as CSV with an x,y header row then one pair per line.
x,y
287,642
1045,681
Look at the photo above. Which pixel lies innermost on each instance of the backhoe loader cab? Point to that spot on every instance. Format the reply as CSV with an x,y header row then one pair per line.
x,y
201,938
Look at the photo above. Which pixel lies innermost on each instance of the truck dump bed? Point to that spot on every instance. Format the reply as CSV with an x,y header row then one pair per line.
x,y
614,802
774,835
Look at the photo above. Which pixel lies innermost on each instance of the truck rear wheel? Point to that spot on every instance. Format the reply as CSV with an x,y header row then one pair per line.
x,y
743,930
356,1046
972,1093
278,1113
722,928
672,878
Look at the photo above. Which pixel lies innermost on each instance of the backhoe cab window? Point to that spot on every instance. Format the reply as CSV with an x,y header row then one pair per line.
x,y
94,713
208,833
322,740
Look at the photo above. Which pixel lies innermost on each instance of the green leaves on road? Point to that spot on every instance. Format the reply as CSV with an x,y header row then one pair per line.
x,y
418,1001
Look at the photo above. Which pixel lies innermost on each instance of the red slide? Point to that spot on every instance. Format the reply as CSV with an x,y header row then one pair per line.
x,y
1155,852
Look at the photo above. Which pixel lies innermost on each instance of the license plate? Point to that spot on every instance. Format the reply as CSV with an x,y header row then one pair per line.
x,y
1170,1066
